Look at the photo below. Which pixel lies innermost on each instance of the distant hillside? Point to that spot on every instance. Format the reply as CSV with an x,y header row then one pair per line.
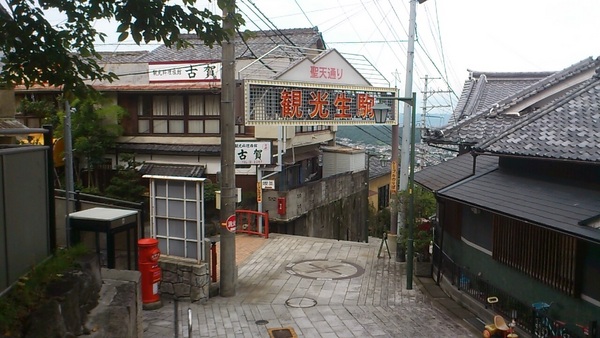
x,y
373,135
376,135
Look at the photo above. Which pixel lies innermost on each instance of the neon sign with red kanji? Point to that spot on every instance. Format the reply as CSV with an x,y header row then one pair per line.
x,y
291,100
321,103
290,103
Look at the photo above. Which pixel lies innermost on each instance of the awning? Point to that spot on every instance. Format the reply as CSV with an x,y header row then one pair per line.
x,y
172,170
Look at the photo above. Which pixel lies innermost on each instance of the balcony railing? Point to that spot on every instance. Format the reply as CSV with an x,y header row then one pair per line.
x,y
534,321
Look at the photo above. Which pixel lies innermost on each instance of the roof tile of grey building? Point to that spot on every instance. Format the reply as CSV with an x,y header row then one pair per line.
x,y
179,170
253,46
452,171
568,129
482,90
377,168
148,148
122,57
500,91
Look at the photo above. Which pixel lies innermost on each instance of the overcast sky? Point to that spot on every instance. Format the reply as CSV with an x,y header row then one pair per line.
x,y
453,35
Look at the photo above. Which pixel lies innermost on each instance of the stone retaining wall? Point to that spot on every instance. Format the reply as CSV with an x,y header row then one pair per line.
x,y
183,279
90,301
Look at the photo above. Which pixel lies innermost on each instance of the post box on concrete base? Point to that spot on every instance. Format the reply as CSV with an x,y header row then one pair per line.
x,y
151,273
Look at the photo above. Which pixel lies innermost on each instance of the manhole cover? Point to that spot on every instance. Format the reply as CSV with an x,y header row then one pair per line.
x,y
284,332
324,269
261,322
301,302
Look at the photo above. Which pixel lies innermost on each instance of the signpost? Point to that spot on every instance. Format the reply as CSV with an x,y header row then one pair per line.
x,y
394,178
230,223
268,184
258,193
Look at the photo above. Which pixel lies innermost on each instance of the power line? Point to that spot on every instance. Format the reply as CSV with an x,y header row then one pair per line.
x,y
368,133
301,9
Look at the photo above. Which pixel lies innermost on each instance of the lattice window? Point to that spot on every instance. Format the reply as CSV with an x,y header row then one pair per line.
x,y
546,255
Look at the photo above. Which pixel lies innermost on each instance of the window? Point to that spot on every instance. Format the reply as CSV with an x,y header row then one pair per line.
x,y
546,255
383,197
179,114
178,218
310,129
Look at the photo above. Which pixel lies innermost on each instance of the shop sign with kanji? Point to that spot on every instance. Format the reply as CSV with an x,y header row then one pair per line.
x,y
297,103
252,152
184,71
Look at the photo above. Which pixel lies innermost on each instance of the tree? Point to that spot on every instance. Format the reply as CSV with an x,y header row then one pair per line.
x,y
126,184
35,52
94,128
424,208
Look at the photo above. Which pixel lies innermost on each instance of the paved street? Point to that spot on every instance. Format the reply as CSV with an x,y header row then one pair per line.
x,y
308,287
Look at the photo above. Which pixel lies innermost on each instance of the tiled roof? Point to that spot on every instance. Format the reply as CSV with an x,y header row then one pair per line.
x,y
568,129
452,171
254,46
484,103
377,168
176,170
482,90
177,149
159,87
553,204
122,57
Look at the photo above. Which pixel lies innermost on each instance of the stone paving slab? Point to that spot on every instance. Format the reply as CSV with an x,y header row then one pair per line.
x,y
330,298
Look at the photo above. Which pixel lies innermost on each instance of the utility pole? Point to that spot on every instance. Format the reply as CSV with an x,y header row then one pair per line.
x,y
228,269
426,95
69,176
406,129
395,203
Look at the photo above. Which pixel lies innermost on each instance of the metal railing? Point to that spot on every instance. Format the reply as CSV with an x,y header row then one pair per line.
x,y
527,317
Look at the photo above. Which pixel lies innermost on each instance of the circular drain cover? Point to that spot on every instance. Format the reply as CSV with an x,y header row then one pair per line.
x,y
261,322
324,269
301,302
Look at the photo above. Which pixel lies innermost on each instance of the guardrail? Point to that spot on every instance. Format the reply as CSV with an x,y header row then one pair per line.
x,y
252,222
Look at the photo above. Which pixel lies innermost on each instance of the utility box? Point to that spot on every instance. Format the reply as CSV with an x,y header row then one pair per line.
x,y
107,230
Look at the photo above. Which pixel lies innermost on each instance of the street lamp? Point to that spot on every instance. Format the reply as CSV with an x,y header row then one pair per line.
x,y
380,110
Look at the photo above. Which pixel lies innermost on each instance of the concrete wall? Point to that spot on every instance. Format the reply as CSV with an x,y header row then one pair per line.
x,y
334,207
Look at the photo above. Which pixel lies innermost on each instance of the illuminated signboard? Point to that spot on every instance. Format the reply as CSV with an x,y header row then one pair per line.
x,y
297,103
184,71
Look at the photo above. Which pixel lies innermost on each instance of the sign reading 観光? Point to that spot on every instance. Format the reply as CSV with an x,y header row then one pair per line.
x,y
298,103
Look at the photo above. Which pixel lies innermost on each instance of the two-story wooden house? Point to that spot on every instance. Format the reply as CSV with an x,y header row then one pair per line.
x,y
518,211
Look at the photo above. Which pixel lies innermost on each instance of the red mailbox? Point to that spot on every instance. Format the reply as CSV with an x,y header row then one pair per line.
x,y
148,255
281,205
